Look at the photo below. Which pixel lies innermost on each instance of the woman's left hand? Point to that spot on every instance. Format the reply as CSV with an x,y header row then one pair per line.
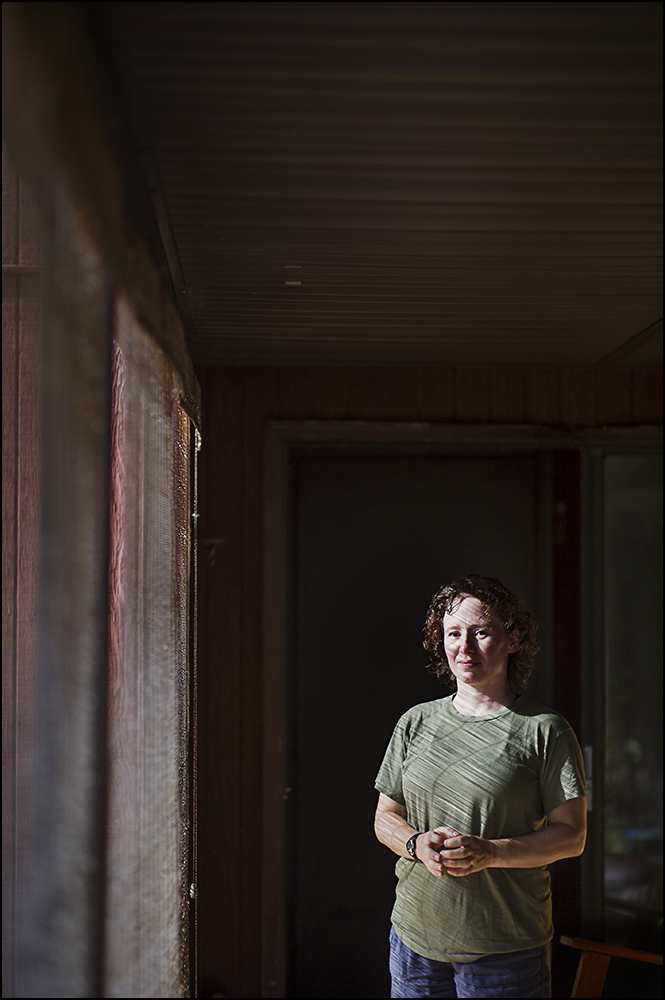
x,y
463,854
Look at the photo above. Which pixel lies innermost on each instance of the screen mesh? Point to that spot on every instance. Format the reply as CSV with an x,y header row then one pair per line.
x,y
148,820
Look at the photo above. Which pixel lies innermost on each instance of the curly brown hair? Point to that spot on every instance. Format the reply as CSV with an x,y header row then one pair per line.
x,y
495,598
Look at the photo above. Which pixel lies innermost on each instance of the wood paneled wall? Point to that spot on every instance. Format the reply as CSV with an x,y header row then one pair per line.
x,y
236,403
21,309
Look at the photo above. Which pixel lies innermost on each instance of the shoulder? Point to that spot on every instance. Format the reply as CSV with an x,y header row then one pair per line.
x,y
539,716
421,717
544,730
415,727
424,711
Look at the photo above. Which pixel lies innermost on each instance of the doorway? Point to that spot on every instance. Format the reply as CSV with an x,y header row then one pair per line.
x,y
373,537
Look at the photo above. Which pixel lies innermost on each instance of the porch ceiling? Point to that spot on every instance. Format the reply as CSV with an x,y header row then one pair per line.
x,y
402,183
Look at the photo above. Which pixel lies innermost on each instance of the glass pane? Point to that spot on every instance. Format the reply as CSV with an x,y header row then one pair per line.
x,y
634,738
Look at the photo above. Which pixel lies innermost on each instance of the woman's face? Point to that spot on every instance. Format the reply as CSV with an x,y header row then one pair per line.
x,y
477,650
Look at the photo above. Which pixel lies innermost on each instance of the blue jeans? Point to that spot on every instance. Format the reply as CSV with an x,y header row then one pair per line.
x,y
513,974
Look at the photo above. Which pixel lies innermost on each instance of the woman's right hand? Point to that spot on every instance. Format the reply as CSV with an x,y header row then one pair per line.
x,y
428,847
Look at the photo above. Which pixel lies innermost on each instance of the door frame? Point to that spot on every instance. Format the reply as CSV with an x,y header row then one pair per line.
x,y
282,439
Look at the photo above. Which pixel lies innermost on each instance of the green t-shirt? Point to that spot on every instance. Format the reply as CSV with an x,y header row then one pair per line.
x,y
492,776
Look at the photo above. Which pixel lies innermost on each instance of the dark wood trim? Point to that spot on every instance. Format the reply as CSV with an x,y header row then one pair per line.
x,y
567,694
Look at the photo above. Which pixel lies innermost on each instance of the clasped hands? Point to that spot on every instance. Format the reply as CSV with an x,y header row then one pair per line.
x,y
445,850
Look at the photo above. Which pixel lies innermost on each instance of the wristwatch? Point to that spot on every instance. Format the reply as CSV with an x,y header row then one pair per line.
x,y
411,846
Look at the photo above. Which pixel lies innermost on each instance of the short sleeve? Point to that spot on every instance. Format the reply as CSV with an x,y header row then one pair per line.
x,y
389,778
562,774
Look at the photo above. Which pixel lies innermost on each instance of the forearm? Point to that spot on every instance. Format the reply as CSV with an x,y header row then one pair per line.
x,y
542,847
393,831
563,837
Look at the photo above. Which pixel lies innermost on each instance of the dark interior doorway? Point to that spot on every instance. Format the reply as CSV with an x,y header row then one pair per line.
x,y
373,536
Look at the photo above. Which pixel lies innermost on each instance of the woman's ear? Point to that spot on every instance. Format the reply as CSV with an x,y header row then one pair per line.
x,y
515,641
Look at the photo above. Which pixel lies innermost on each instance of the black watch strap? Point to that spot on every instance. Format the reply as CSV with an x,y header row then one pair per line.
x,y
411,846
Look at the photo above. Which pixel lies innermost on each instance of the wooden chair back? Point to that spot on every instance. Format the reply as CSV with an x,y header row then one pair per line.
x,y
594,961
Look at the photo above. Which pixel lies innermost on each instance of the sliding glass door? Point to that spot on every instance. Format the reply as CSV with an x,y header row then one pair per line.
x,y
633,545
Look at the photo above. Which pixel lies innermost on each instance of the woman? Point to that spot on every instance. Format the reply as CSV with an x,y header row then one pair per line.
x,y
478,793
